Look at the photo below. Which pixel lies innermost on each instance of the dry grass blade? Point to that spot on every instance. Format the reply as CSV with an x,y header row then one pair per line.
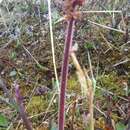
x,y
80,74
86,87
44,68
47,110
103,11
90,99
106,27
52,43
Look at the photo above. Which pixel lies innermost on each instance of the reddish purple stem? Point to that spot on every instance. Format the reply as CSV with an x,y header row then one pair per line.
x,y
21,108
64,72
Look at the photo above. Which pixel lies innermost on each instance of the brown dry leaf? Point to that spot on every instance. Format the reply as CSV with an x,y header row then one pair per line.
x,y
42,128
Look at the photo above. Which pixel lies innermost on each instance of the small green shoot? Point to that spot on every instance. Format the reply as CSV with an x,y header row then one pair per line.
x,y
3,121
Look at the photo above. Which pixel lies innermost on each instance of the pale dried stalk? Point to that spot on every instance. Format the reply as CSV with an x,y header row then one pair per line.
x,y
86,87
91,108
52,44
106,27
102,11
90,99
80,74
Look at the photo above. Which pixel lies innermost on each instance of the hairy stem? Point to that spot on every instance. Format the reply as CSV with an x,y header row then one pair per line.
x,y
64,72
70,11
22,109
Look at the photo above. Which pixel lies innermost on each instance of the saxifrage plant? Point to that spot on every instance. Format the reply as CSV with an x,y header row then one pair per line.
x,y
71,16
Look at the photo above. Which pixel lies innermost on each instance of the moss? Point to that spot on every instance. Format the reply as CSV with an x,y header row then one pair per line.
x,y
111,82
38,104
73,84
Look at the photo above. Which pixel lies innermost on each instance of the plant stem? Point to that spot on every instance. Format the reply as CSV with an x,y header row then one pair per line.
x,y
21,108
70,11
64,72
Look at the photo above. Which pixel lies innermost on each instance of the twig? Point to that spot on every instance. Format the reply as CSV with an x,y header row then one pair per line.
x,y
106,27
121,62
45,68
103,11
6,45
52,99
113,94
92,11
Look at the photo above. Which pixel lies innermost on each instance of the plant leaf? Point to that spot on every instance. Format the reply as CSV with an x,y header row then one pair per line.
x,y
120,126
53,126
13,73
3,121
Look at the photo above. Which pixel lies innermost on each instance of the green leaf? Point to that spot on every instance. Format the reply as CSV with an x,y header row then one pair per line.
x,y
55,84
54,126
3,121
55,16
88,45
120,126
13,73
18,43
41,67
43,6
13,55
